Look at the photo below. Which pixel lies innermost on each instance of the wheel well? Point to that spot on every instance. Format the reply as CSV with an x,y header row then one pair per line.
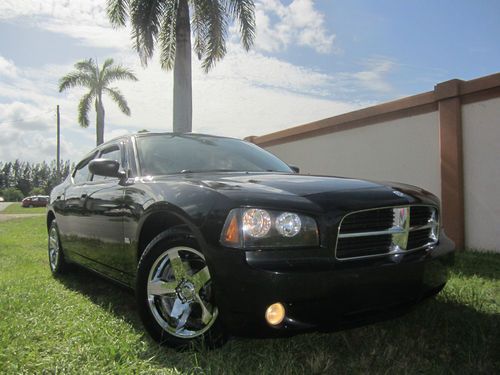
x,y
50,218
154,225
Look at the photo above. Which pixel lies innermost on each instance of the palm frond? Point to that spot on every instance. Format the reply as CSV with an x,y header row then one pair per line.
x,y
88,66
244,11
117,11
107,63
146,16
167,36
84,107
215,21
74,79
119,99
116,73
199,28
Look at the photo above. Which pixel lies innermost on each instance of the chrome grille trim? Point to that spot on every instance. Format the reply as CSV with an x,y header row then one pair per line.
x,y
400,231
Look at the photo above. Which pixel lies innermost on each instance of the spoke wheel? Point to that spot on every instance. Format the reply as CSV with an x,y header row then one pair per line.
x,y
175,293
56,256
179,293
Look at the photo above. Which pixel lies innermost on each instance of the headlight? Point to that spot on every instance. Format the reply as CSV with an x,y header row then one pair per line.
x,y
258,228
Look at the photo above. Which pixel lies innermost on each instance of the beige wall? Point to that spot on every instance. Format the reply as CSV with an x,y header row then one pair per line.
x,y
481,150
404,150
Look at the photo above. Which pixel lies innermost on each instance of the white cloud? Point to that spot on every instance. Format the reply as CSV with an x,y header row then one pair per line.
x,y
246,94
7,68
299,23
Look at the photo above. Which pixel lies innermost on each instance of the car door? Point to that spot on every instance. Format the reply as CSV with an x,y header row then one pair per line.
x,y
103,212
70,205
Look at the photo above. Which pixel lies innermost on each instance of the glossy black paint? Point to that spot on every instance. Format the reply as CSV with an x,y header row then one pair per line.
x,y
105,225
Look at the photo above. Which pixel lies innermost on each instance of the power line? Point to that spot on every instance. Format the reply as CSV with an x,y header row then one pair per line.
x,y
26,119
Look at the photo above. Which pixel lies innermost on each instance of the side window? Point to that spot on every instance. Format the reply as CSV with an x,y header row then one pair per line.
x,y
112,153
82,171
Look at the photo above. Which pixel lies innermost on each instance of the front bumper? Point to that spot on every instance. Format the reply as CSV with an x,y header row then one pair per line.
x,y
319,292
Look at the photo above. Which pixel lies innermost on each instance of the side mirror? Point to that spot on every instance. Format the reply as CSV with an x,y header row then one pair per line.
x,y
294,168
106,168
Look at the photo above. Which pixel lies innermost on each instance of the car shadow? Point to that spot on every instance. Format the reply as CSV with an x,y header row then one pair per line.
x,y
450,337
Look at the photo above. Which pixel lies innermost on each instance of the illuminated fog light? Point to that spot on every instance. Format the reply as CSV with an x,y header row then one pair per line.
x,y
288,224
256,222
275,314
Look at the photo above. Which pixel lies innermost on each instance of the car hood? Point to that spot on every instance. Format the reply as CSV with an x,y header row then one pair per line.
x,y
309,192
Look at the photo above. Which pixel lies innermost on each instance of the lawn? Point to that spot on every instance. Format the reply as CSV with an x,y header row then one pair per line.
x,y
86,325
16,208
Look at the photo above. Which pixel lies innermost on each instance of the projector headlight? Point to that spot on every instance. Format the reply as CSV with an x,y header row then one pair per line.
x,y
247,228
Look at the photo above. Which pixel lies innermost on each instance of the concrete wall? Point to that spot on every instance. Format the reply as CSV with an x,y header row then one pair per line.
x,y
446,141
481,150
404,150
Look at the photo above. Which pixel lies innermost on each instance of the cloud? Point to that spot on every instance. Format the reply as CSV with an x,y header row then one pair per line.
x,y
299,23
7,68
246,93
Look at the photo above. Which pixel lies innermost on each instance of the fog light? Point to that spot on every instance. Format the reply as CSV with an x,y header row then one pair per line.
x,y
275,314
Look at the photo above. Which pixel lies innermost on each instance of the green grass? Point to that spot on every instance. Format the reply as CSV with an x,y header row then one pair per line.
x,y
83,324
16,208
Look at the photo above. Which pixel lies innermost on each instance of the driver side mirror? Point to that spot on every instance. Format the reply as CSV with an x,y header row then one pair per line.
x,y
106,168
294,168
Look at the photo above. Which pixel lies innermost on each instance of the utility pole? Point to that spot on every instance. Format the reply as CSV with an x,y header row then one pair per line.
x,y
58,145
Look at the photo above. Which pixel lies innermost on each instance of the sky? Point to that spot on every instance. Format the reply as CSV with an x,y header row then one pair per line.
x,y
311,60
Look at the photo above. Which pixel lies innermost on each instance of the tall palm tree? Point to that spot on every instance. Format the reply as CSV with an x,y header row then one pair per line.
x,y
168,24
88,74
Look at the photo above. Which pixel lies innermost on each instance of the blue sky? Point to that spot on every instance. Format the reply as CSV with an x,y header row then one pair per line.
x,y
311,60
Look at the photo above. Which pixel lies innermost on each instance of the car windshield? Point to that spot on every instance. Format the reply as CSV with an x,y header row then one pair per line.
x,y
173,153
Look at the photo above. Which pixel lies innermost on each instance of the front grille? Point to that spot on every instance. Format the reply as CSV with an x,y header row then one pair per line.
x,y
384,231
363,246
420,215
419,238
368,221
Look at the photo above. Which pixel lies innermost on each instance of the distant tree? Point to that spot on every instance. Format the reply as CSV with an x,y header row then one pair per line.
x,y
12,195
97,80
37,191
168,24
41,176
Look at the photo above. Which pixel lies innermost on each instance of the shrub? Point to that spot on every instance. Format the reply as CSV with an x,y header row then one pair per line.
x,y
12,195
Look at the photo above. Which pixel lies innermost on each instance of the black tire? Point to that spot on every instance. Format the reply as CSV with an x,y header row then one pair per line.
x,y
153,309
57,262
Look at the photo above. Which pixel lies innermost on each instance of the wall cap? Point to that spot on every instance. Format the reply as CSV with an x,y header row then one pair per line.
x,y
424,102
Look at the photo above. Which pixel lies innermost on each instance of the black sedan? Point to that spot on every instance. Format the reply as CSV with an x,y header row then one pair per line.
x,y
218,237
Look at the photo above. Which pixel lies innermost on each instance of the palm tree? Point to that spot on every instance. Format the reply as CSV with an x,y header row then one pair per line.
x,y
88,74
168,24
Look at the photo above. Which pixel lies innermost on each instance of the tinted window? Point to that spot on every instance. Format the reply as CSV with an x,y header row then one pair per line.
x,y
166,154
112,153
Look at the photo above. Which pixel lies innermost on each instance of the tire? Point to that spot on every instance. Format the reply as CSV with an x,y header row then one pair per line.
x,y
175,295
57,262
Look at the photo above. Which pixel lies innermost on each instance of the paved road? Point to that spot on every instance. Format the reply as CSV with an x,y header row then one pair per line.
x,y
3,205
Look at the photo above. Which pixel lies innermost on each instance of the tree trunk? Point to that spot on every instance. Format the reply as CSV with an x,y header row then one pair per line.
x,y
183,109
99,125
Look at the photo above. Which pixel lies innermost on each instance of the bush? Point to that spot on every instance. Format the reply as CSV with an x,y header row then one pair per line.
x,y
12,195
37,191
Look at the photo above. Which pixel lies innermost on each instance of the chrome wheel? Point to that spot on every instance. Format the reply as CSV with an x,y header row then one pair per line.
x,y
54,248
180,294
